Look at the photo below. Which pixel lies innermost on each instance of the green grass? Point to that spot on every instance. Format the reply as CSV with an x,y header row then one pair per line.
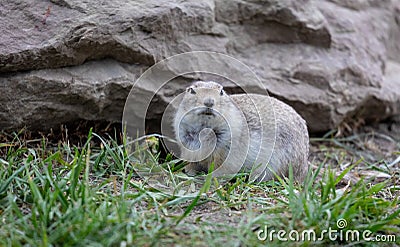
x,y
91,196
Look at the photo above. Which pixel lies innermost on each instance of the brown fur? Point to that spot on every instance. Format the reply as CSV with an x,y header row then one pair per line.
x,y
277,135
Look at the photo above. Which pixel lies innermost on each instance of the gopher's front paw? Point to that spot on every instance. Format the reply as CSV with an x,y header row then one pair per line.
x,y
190,169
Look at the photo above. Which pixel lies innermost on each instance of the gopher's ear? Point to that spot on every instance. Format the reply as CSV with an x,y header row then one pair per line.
x,y
191,90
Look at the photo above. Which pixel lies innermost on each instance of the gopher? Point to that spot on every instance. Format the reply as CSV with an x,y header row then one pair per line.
x,y
250,132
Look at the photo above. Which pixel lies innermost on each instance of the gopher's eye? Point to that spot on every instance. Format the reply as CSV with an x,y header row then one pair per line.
x,y
191,90
221,92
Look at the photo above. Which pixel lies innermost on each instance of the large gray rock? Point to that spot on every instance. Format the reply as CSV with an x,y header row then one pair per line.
x,y
75,59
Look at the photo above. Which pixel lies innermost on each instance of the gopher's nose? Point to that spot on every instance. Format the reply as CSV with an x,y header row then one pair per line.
x,y
209,102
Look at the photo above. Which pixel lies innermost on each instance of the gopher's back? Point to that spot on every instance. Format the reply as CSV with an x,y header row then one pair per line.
x,y
278,135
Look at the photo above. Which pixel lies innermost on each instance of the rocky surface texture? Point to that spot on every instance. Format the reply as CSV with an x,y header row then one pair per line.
x,y
65,60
